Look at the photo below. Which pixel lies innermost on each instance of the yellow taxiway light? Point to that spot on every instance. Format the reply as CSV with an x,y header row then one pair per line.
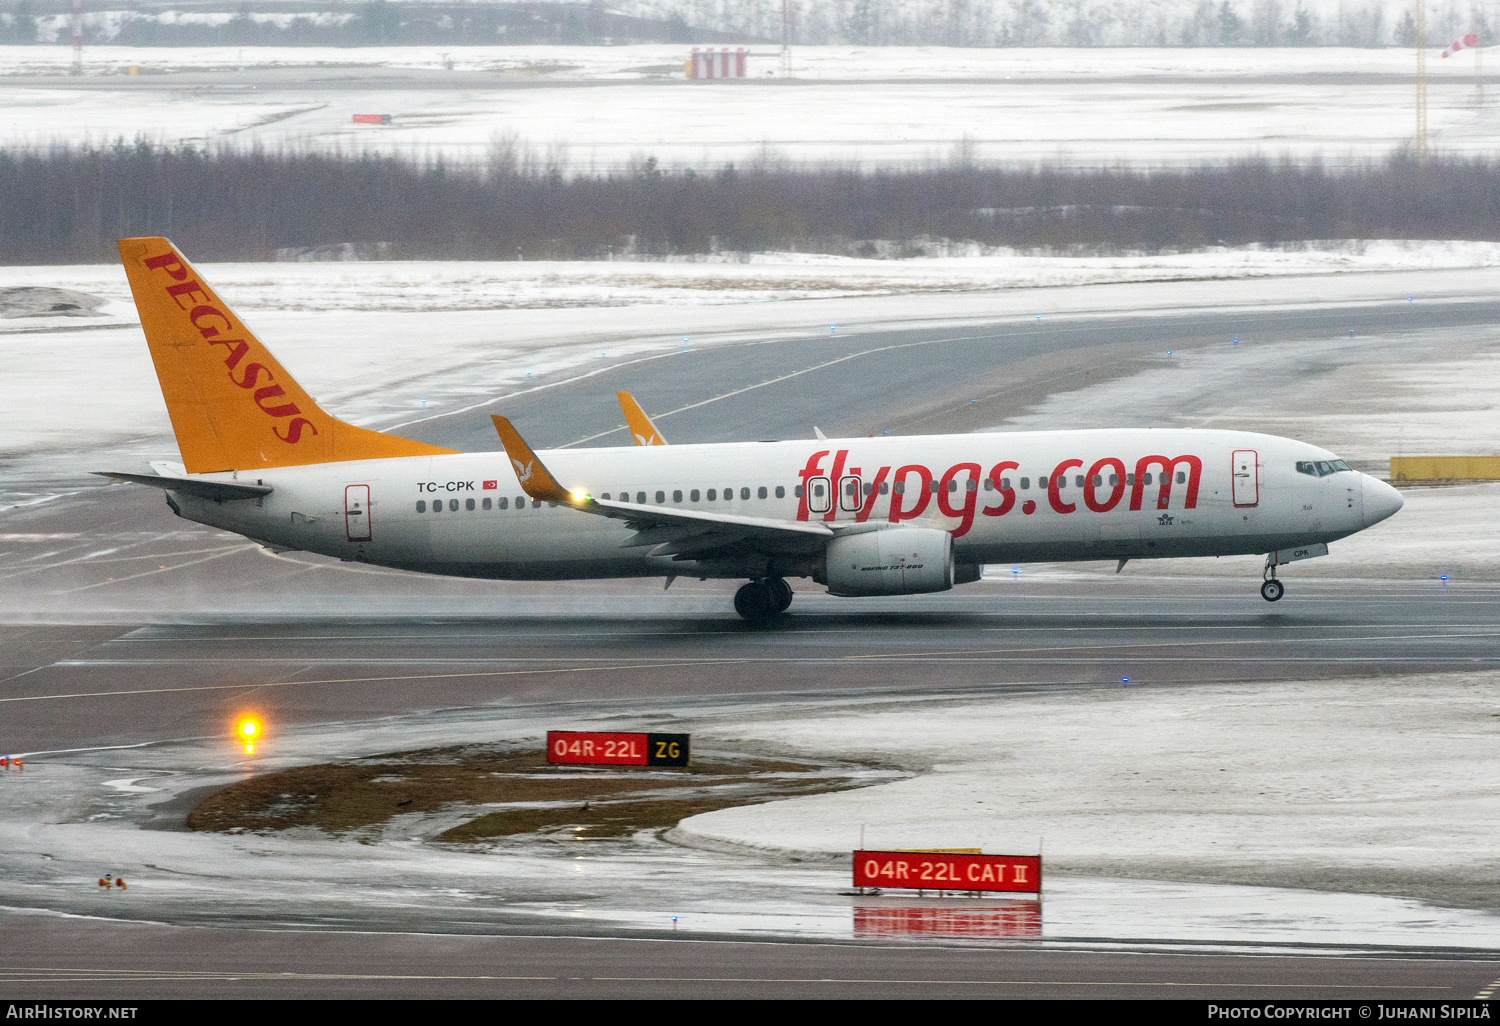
x,y
248,729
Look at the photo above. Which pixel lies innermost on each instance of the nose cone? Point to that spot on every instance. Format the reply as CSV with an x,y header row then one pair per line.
x,y
1380,500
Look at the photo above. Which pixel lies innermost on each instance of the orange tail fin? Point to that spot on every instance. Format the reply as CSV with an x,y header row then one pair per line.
x,y
233,407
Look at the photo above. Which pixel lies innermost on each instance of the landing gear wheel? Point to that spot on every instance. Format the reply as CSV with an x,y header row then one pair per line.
x,y
782,593
755,601
1271,590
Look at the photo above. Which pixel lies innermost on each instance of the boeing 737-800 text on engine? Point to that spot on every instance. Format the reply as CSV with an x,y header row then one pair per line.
x,y
863,516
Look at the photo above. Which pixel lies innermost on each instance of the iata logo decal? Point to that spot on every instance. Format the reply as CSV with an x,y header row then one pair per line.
x,y
211,322
1165,520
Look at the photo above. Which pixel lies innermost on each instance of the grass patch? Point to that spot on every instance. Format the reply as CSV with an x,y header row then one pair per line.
x,y
571,802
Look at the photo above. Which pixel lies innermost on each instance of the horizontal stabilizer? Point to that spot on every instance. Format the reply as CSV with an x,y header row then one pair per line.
x,y
220,490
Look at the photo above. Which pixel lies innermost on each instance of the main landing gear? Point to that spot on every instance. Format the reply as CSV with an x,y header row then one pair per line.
x,y
763,599
1271,589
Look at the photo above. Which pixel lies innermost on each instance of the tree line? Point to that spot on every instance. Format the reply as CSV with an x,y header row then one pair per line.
x,y
67,204
981,23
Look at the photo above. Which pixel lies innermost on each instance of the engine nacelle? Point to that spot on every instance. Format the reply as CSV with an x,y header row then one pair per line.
x,y
895,561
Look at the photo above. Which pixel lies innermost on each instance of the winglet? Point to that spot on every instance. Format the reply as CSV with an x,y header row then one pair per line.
x,y
641,429
536,480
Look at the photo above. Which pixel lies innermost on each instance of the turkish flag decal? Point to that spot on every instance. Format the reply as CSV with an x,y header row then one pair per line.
x,y
488,485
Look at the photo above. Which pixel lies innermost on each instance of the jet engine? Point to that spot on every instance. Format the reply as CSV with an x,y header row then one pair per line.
x,y
895,561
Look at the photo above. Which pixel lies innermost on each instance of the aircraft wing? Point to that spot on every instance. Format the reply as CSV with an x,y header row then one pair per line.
x,y
667,530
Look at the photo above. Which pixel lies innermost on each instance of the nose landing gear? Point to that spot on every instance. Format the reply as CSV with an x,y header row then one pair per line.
x,y
760,600
1271,589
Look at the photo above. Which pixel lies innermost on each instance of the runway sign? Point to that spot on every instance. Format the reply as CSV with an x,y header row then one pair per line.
x,y
576,747
948,872
1014,919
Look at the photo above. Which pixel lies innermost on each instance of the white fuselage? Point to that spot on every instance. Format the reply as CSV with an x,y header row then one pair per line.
x,y
465,514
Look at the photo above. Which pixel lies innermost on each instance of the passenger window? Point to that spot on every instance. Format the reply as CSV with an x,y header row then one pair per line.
x,y
885,486
971,485
1182,477
536,503
797,491
1130,479
1078,481
640,498
453,505
1146,479
780,491
437,505
693,495
953,484
1041,482
728,494
744,493
505,503
661,497
989,485
677,495
712,495
421,505
762,493
900,487
469,505
1005,484
1025,484
486,504
820,500
1114,479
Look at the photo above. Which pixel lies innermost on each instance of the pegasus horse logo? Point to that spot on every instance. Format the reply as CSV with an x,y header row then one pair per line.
x,y
523,473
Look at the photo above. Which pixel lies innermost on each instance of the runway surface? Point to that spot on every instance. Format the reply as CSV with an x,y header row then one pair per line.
x,y
123,625
914,381
58,958
77,686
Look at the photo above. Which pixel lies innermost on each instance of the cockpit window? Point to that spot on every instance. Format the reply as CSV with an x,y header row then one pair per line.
x,y
1321,468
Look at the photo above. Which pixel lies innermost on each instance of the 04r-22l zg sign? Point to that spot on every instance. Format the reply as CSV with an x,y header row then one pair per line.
x,y
577,747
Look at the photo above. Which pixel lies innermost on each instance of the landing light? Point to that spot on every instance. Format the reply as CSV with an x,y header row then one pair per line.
x,y
579,495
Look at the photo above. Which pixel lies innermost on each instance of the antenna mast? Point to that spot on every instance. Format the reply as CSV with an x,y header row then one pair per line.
x,y
786,38
1421,78
78,37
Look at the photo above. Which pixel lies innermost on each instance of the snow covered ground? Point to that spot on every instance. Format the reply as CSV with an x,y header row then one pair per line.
x,y
602,107
481,327
74,816
1226,783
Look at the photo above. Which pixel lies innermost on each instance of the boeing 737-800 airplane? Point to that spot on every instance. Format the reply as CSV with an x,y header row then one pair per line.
x,y
862,516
